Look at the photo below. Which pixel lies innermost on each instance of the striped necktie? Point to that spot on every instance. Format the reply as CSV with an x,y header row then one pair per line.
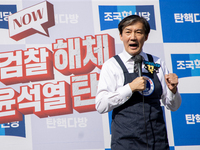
x,y
135,65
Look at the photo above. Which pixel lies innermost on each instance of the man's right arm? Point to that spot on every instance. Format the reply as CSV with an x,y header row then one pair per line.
x,y
111,93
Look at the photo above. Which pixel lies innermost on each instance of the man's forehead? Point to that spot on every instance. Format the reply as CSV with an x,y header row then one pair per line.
x,y
131,27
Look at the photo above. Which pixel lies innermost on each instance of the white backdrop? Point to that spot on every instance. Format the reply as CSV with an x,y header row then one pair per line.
x,y
51,53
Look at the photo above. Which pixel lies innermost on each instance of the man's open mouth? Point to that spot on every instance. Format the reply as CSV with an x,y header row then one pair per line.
x,y
133,45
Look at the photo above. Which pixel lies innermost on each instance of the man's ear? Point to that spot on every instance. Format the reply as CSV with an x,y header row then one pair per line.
x,y
120,37
146,38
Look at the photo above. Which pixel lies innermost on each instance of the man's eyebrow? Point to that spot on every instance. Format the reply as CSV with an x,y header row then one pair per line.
x,y
127,29
139,30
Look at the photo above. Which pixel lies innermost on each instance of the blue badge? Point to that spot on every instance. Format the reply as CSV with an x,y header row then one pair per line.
x,y
151,66
149,87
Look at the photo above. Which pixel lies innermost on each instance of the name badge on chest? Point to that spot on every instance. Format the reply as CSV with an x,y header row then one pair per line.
x,y
151,67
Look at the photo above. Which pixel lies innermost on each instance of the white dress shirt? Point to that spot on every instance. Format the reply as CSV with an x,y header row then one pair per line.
x,y
112,92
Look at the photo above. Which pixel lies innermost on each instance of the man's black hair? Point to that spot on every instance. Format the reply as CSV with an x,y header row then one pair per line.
x,y
130,20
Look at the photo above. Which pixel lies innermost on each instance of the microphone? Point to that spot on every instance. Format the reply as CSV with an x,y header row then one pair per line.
x,y
138,61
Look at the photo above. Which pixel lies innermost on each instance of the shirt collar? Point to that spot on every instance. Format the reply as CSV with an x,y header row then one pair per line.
x,y
125,56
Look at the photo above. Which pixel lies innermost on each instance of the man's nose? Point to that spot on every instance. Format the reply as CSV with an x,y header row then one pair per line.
x,y
133,36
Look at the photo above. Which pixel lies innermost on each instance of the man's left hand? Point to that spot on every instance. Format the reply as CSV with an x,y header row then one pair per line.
x,y
171,80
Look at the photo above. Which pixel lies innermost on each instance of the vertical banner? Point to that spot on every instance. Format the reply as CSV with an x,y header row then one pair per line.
x,y
182,49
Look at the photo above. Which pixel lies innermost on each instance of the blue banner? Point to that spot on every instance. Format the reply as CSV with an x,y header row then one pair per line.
x,y
186,65
13,129
110,16
180,20
186,121
5,11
